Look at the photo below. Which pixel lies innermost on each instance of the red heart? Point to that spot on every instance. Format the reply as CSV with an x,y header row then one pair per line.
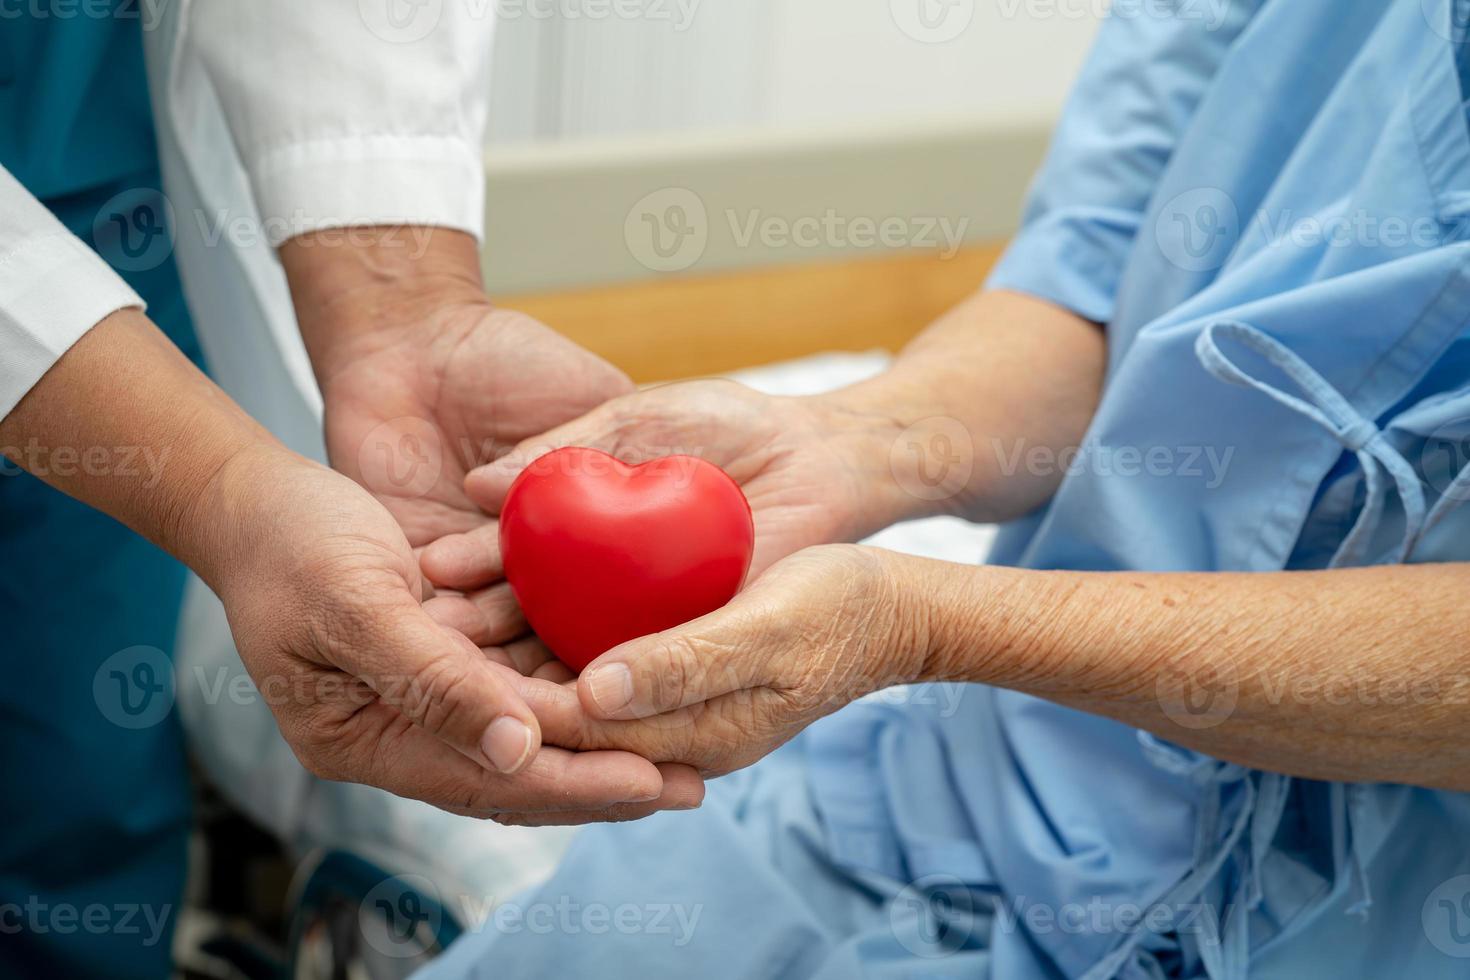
x,y
598,552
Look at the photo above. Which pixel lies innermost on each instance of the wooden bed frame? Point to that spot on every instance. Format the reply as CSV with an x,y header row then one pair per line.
x,y
691,326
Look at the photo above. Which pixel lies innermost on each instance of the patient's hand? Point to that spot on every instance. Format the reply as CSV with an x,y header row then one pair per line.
x,y
797,460
815,632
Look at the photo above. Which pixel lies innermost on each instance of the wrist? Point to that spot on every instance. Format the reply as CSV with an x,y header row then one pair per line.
x,y
231,516
1025,630
125,423
898,590
909,460
357,291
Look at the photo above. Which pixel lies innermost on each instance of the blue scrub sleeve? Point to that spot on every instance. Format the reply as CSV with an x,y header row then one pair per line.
x,y
1137,94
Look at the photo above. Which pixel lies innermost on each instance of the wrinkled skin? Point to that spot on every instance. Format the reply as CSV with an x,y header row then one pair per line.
x,y
802,490
324,605
817,631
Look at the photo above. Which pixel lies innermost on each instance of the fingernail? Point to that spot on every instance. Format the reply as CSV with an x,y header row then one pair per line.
x,y
611,687
686,806
507,743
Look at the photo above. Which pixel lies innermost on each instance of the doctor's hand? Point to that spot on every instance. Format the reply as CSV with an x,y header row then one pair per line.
x,y
324,600
801,463
818,630
421,376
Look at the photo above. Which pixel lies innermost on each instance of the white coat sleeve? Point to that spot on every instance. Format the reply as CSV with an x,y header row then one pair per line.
x,y
53,289
352,112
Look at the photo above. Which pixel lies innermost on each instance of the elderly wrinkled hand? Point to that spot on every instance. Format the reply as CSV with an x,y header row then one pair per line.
x,y
818,630
800,462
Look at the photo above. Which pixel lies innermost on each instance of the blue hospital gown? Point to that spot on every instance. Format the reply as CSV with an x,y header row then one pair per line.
x,y
1268,205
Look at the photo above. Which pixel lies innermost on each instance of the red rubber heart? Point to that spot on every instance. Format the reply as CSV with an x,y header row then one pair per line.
x,y
598,552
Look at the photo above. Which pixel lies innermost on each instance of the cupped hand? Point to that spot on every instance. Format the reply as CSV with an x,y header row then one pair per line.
x,y
324,599
411,412
422,376
789,455
817,631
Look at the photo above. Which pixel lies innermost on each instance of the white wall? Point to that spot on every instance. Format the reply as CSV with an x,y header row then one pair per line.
x,y
686,65
847,60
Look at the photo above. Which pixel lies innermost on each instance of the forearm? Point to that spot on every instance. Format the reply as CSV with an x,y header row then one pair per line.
x,y
1356,675
124,423
357,290
950,428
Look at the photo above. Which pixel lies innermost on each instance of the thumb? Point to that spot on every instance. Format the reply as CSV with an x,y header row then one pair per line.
x,y
443,683
689,665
